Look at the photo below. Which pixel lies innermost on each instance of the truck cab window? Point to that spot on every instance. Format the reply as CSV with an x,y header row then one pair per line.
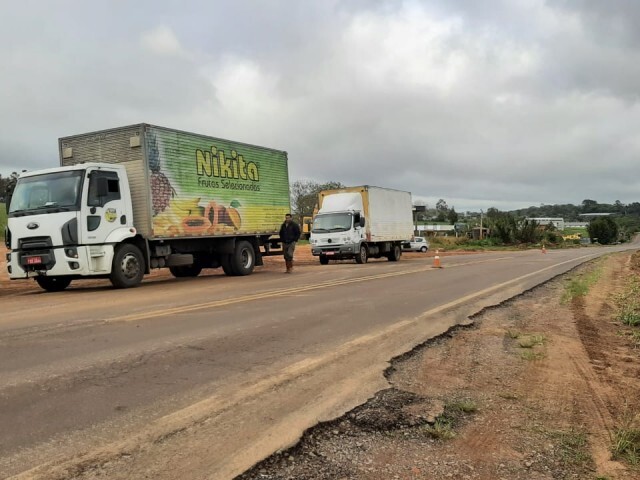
x,y
113,188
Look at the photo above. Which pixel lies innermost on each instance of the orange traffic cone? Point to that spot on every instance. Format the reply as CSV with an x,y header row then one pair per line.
x,y
544,250
436,260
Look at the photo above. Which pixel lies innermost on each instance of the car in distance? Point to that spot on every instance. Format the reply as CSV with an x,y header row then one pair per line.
x,y
416,244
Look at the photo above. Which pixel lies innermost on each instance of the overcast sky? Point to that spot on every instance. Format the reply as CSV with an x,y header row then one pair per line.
x,y
501,103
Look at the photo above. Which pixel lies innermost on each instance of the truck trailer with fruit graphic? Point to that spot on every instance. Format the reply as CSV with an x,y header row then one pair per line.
x,y
131,199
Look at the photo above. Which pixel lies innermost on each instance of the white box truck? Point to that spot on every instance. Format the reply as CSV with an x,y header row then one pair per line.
x,y
361,222
130,199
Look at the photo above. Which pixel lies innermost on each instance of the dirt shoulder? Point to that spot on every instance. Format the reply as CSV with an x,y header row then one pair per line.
x,y
537,388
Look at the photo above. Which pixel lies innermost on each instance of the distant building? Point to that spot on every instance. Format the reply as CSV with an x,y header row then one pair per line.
x,y
576,224
593,215
557,222
476,233
435,230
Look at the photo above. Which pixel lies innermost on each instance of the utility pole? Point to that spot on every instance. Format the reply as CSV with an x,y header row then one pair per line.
x,y
481,214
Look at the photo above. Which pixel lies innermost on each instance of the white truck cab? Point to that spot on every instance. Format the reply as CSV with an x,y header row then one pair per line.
x,y
64,223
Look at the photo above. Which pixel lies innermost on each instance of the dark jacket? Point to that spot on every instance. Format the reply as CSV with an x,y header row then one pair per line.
x,y
289,233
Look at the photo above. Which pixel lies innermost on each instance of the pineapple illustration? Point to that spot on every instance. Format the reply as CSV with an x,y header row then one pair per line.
x,y
161,190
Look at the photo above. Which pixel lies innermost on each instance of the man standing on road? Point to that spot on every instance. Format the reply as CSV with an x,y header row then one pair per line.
x,y
289,234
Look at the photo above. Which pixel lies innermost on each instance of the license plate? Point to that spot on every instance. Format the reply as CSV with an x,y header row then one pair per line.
x,y
330,253
34,260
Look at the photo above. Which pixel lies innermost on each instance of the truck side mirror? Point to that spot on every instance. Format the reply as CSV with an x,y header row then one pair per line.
x,y
362,223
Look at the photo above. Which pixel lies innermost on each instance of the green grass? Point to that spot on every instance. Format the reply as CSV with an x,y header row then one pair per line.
x,y
527,342
626,441
513,334
530,341
573,446
464,406
635,338
628,303
579,286
442,429
454,411
531,355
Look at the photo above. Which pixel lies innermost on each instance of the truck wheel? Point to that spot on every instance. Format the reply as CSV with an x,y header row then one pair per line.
x,y
243,259
186,271
363,255
324,260
225,262
395,254
53,284
128,266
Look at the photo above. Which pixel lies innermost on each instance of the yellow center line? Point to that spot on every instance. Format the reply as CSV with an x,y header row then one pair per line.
x,y
275,293
288,291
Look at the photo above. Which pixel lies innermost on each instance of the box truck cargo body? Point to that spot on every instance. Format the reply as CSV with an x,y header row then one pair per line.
x,y
361,222
130,199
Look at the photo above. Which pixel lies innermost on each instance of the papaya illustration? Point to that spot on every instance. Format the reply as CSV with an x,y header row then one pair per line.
x,y
195,225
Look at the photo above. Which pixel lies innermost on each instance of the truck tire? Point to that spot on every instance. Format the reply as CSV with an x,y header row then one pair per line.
x,y
186,271
394,254
225,262
324,260
53,284
128,266
363,254
243,260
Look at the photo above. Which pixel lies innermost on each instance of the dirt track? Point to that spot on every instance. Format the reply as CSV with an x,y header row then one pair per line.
x,y
546,412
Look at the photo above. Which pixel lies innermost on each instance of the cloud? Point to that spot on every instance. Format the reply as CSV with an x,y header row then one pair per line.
x,y
161,41
481,103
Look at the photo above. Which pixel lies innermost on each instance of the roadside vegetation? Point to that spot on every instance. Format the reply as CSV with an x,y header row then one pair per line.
x,y
579,285
625,439
517,230
3,219
455,411
628,303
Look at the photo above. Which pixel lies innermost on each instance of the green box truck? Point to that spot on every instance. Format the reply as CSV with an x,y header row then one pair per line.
x,y
131,199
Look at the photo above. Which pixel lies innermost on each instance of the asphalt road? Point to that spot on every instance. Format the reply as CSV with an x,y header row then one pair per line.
x,y
201,378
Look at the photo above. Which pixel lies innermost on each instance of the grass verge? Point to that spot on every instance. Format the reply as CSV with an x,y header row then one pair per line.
x,y
579,286
573,447
628,303
454,412
626,440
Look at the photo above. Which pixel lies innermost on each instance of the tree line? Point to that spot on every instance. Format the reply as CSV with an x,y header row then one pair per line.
x,y
571,213
6,186
505,227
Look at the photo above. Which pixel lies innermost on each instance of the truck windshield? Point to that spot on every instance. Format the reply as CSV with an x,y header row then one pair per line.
x,y
332,222
47,193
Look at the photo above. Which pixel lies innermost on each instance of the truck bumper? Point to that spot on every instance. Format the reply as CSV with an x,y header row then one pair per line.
x,y
335,251
60,261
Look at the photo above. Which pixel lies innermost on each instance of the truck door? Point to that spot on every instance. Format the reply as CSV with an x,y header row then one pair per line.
x,y
104,210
